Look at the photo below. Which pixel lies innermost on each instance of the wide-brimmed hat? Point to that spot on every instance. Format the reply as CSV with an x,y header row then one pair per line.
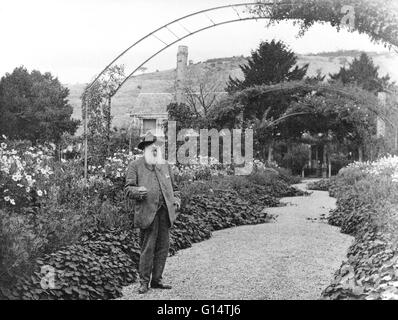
x,y
147,140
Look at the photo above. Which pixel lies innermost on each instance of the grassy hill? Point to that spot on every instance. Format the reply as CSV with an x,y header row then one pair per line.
x,y
163,81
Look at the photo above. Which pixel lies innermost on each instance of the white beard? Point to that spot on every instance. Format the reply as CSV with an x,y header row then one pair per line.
x,y
150,158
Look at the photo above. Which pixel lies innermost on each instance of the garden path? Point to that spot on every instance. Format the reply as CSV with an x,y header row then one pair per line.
x,y
292,258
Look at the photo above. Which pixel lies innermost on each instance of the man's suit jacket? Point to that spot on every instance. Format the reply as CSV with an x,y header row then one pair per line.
x,y
141,174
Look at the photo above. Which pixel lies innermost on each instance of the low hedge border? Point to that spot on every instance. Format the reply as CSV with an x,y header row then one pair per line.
x,y
371,269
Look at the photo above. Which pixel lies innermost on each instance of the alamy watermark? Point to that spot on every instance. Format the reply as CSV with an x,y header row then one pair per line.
x,y
348,19
189,145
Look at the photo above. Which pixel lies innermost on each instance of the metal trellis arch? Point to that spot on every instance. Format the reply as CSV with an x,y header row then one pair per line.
x,y
179,30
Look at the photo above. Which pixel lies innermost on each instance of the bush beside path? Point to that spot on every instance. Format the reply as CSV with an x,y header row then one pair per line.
x,y
292,258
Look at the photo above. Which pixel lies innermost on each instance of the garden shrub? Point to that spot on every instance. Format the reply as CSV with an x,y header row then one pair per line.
x,y
320,185
105,259
287,177
96,268
84,230
368,210
20,244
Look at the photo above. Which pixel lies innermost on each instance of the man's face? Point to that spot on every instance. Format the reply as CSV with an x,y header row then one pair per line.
x,y
153,154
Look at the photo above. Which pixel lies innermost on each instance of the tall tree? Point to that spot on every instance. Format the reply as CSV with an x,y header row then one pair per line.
x,y
362,72
273,62
34,106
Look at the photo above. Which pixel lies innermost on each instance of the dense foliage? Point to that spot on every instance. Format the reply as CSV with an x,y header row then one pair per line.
x,y
320,185
34,106
376,18
367,206
51,217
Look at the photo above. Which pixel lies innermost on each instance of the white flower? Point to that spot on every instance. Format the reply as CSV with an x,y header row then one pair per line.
x,y
3,145
17,177
12,201
39,193
7,199
27,189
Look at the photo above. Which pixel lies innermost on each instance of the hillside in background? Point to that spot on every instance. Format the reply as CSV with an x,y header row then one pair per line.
x,y
124,102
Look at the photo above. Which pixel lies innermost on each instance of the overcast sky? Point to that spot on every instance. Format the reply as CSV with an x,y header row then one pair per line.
x,y
75,39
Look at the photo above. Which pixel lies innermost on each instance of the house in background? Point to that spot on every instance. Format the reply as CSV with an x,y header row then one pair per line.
x,y
150,108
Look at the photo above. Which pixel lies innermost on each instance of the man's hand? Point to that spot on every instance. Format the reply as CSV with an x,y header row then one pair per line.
x,y
138,193
142,192
177,204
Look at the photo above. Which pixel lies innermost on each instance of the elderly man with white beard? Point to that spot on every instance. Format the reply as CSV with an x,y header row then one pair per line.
x,y
150,183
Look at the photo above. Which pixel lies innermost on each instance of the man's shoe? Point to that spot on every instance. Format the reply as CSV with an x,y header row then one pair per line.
x,y
160,285
143,288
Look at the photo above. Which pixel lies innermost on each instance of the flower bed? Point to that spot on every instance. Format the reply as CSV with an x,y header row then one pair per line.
x,y
367,208
83,229
105,260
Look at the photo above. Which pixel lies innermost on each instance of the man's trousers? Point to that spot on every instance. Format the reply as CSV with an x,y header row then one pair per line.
x,y
155,242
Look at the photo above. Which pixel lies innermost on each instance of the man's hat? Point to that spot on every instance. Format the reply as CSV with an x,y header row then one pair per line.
x,y
147,140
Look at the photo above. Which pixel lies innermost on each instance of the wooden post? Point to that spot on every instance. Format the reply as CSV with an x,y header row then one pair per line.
x,y
85,140
330,166
270,152
360,154
324,161
108,127
317,161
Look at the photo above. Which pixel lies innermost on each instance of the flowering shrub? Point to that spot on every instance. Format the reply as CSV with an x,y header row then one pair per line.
x,y
101,262
196,169
386,166
46,205
24,175
115,167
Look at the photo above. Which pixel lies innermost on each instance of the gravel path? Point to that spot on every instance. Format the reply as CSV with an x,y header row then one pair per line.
x,y
292,258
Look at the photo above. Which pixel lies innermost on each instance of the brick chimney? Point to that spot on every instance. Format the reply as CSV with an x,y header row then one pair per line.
x,y
182,63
